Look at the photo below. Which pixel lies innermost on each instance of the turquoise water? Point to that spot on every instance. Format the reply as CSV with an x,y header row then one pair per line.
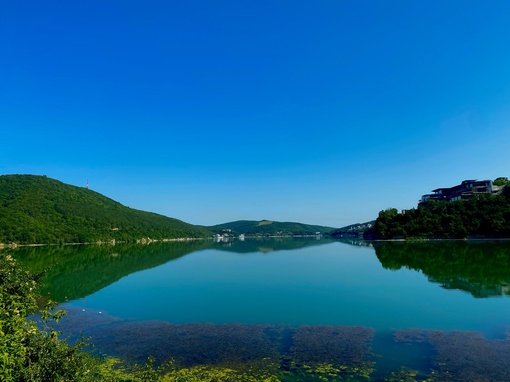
x,y
317,309
334,284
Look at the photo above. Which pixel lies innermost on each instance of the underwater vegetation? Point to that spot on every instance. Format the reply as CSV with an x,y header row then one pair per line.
x,y
263,352
331,353
463,356
236,352
241,352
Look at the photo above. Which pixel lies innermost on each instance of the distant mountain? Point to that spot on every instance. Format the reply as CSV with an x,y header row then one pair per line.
x,y
353,230
39,210
268,227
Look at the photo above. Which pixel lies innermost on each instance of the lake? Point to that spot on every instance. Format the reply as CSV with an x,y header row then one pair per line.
x,y
307,308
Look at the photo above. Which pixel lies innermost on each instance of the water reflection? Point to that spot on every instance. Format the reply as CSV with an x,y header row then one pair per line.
x,y
311,309
76,271
73,272
480,268
272,244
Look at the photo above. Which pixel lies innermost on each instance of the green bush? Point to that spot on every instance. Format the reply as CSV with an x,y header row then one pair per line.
x,y
28,353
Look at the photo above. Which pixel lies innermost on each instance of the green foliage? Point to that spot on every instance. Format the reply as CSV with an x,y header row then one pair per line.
x,y
484,215
39,210
28,353
501,181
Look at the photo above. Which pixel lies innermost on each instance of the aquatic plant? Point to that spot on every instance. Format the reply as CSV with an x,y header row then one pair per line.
x,y
332,344
464,356
332,353
330,372
237,351
405,375
187,344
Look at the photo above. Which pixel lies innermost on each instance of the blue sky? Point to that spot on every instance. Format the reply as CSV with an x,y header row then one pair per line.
x,y
323,112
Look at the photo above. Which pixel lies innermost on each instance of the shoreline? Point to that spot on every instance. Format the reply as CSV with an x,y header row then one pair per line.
x,y
143,241
146,241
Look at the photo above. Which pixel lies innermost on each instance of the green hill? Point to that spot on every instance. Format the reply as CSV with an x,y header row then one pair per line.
x,y
268,227
484,215
353,230
39,210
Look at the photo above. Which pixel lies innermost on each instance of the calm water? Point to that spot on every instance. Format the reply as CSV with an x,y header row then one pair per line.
x,y
406,304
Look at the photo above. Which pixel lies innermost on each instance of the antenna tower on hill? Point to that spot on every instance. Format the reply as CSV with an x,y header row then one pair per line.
x,y
87,186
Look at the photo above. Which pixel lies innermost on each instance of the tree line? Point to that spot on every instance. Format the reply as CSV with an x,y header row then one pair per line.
x,y
484,215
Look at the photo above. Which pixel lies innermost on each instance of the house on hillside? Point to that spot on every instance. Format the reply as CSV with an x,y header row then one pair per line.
x,y
465,190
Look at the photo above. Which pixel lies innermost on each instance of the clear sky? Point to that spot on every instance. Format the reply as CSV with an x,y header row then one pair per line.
x,y
322,112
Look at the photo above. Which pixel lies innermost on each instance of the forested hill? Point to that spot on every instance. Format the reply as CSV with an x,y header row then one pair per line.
x,y
39,210
482,216
353,230
268,227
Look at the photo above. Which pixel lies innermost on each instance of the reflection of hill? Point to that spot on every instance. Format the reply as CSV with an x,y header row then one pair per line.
x,y
481,268
355,242
73,272
270,244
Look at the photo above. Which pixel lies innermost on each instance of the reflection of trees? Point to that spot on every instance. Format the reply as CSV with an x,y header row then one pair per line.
x,y
72,272
266,245
481,268
355,242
